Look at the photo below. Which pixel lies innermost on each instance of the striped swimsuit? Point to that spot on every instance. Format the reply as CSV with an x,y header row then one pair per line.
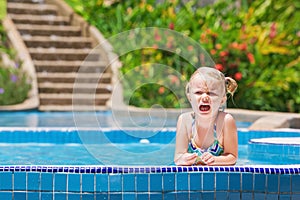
x,y
215,148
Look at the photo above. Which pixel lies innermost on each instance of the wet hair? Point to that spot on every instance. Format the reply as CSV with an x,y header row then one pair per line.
x,y
230,84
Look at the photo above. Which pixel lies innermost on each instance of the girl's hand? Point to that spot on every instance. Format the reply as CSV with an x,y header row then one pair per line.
x,y
187,159
208,158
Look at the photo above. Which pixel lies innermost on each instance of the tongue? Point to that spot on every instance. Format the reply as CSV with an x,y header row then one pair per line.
x,y
204,107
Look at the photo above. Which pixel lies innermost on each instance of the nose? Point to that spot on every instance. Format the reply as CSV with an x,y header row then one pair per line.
x,y
205,98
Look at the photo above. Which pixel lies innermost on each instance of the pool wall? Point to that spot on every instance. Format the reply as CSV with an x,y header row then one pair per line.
x,y
142,182
171,182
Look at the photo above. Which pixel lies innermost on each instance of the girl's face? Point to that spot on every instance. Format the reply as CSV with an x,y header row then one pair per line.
x,y
206,96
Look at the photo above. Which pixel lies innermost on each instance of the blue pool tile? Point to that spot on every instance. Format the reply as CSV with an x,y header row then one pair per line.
x,y
60,182
272,197
89,196
234,196
128,183
19,181
142,182
142,196
182,183
129,196
101,182
73,182
60,196
222,181
284,196
272,183
20,195
168,182
169,196
156,182
295,196
155,196
182,195
31,196
101,196
234,181
6,181
221,195
259,196
115,196
247,181
196,181
208,181
6,195
115,183
208,195
247,196
88,182
47,195
33,181
296,184
74,196
46,181
285,183
260,182
196,196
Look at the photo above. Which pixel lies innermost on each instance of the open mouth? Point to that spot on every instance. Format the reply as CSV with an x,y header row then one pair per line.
x,y
204,108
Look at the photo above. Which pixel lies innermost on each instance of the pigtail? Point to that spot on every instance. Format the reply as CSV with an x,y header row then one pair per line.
x,y
231,85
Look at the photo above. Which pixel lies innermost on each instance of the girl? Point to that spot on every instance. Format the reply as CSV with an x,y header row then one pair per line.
x,y
207,135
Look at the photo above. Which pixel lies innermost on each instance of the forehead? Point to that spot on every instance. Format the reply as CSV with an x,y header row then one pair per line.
x,y
206,83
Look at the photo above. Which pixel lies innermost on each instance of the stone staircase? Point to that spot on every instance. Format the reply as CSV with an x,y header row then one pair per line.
x,y
73,73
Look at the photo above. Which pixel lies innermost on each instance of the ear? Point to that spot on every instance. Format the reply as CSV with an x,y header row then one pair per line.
x,y
188,96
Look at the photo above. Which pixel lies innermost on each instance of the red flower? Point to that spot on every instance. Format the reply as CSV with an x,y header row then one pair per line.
x,y
190,48
243,46
213,51
250,57
161,90
157,37
238,76
273,31
224,53
171,26
155,46
219,67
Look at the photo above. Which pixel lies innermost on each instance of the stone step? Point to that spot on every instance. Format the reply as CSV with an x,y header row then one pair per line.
x,y
26,1
72,108
39,19
73,99
63,54
48,30
81,88
57,42
33,9
74,77
70,66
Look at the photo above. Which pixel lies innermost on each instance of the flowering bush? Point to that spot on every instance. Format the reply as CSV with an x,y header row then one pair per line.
x,y
256,43
14,83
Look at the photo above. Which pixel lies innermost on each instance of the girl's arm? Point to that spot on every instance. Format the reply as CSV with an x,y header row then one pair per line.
x,y
181,156
230,155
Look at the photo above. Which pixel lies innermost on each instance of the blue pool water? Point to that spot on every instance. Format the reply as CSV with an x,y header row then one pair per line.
x,y
125,147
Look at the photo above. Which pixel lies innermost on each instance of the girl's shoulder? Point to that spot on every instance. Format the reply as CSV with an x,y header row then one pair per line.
x,y
187,116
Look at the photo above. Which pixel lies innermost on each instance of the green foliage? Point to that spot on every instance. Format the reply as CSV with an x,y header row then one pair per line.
x,y
14,82
257,44
14,85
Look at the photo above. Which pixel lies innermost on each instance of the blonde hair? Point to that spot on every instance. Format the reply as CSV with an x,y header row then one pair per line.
x,y
230,84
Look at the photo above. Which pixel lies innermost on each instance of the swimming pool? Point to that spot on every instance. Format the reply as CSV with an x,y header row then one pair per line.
x,y
103,177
